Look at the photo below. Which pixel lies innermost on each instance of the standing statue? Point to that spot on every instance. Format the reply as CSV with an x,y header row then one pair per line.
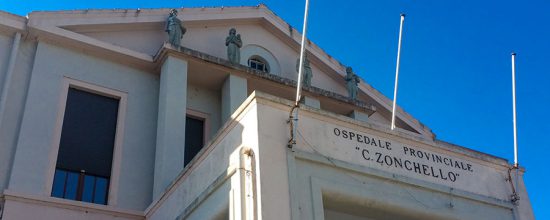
x,y
174,28
308,74
233,43
351,83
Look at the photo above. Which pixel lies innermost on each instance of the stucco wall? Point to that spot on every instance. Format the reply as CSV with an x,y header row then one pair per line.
x,y
208,102
29,209
211,40
13,112
52,64
145,40
6,41
218,158
322,166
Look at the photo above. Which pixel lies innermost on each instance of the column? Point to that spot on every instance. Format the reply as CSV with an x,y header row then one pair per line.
x,y
169,153
234,92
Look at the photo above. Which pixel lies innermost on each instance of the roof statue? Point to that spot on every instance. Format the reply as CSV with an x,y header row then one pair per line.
x,y
174,28
233,43
308,74
351,83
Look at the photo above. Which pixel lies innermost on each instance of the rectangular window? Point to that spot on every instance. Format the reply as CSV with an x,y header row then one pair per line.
x,y
84,161
194,137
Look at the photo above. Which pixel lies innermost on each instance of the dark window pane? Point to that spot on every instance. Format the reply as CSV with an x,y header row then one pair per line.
x,y
59,183
194,138
88,133
260,66
86,147
88,192
101,187
72,185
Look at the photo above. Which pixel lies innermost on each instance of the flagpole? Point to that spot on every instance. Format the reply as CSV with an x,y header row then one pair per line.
x,y
294,118
397,73
302,51
515,196
514,109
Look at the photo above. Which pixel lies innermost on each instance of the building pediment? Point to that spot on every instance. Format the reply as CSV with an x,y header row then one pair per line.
x,y
136,36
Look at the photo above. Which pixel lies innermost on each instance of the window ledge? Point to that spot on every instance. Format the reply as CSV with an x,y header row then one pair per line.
x,y
71,205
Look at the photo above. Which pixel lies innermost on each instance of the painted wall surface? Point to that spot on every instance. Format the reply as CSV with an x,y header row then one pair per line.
x,y
211,40
145,40
16,210
40,116
208,102
11,122
335,215
15,104
416,160
325,165
273,137
218,159
6,42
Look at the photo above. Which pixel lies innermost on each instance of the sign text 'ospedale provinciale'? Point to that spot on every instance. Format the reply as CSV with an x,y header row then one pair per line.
x,y
408,158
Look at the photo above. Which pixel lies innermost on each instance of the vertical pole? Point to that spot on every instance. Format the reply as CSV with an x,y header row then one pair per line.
x,y
514,109
302,51
516,164
397,72
294,117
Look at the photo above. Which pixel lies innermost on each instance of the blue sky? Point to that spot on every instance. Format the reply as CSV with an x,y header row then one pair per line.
x,y
455,64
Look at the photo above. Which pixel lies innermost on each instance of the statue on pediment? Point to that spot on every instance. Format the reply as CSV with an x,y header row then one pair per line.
x,y
174,28
351,83
234,44
308,74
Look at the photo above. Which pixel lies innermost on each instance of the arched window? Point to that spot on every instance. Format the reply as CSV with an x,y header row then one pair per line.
x,y
258,63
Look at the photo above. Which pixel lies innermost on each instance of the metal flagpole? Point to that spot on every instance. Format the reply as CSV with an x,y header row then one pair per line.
x,y
514,109
294,119
515,196
302,51
397,73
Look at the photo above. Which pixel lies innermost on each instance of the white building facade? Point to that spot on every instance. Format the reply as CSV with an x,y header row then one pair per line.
x,y
100,118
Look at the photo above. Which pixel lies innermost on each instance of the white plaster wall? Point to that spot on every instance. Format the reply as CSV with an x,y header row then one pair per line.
x,y
146,41
335,215
208,102
215,207
273,137
251,50
6,147
15,103
211,40
6,42
320,164
378,118
485,179
52,63
16,210
383,195
216,163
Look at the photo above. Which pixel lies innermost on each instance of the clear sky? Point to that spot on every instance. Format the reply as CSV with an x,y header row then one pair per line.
x,y
455,64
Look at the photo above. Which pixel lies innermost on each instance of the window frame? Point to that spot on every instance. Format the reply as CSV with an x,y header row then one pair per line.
x,y
259,60
201,116
112,197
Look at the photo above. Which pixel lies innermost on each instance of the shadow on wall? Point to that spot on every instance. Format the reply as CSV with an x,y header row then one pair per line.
x,y
233,192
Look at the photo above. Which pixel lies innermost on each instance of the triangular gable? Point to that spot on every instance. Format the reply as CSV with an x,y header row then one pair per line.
x,y
108,28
